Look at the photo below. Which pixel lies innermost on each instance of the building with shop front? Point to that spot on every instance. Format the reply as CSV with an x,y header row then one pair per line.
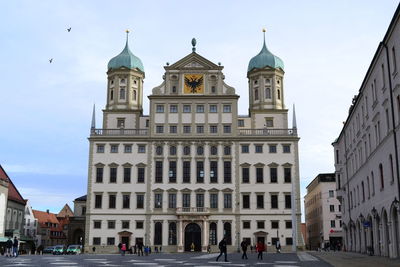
x,y
367,155
193,170
323,213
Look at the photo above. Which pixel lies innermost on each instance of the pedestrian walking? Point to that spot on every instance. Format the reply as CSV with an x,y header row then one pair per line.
x,y
244,249
123,249
222,249
140,248
15,247
260,247
278,246
208,249
9,245
120,248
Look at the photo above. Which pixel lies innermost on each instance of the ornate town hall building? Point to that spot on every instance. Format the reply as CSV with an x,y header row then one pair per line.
x,y
193,170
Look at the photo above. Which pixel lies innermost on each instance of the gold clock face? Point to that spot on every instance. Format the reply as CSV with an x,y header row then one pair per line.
x,y
194,84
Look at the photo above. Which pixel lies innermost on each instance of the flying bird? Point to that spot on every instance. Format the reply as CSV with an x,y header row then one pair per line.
x,y
193,83
50,60
69,29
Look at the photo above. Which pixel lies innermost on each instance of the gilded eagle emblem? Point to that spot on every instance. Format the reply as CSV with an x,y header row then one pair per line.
x,y
193,82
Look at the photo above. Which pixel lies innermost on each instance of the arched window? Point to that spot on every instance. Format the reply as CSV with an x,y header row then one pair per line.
x,y
381,175
369,188
134,95
186,150
213,150
213,233
279,94
373,183
228,233
122,93
172,233
200,150
256,94
268,93
363,191
112,95
158,233
391,167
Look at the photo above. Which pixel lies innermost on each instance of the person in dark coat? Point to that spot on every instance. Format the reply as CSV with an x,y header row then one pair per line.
x,y
9,245
140,248
15,247
244,249
222,249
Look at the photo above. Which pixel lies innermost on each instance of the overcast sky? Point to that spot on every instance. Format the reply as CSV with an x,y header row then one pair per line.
x,y
46,108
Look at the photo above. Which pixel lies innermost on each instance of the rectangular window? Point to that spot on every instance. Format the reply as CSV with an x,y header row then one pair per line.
x,y
173,129
160,108
213,171
245,175
127,175
259,148
289,241
110,241
139,201
172,201
213,109
186,200
172,172
274,174
120,123
200,171
100,148
240,123
187,109
97,224
227,172
227,201
214,201
213,129
173,108
274,201
288,224
245,148
140,175
246,201
159,129
269,122
331,193
159,172
288,201
227,108
200,108
158,201
114,149
227,129
246,224
287,175
127,148
272,148
112,201
332,208
139,224
141,148
125,224
200,129
286,148
99,174
260,201
97,201
200,200
126,201
187,129
260,175
96,241
333,223
186,171
260,224
275,224
113,175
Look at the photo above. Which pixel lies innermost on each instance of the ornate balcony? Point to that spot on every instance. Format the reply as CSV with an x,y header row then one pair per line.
x,y
267,132
119,132
194,211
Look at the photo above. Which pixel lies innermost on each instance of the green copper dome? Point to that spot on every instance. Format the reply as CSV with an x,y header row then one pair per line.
x,y
265,59
126,59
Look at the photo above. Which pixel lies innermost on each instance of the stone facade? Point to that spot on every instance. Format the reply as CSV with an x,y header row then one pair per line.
x,y
193,170
367,155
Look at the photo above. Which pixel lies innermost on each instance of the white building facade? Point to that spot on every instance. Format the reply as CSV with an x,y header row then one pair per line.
x,y
30,224
323,213
193,171
367,155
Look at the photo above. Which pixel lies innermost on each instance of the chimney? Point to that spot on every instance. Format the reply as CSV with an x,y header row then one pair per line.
x,y
47,211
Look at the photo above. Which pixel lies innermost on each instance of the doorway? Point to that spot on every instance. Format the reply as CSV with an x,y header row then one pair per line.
x,y
192,237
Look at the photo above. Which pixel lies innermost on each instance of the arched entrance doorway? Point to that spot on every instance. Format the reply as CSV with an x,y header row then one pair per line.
x,y
192,236
78,237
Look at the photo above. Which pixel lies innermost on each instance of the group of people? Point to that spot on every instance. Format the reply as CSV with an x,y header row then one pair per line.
x,y
260,248
12,247
138,249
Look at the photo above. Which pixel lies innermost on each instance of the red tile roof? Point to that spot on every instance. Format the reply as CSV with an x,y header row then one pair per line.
x,y
13,193
44,217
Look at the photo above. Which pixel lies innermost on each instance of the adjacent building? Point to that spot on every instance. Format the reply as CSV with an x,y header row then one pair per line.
x,y
322,212
367,155
193,170
3,202
76,227
49,229
30,226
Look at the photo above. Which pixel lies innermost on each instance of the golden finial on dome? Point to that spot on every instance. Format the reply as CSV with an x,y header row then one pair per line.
x,y
127,31
264,30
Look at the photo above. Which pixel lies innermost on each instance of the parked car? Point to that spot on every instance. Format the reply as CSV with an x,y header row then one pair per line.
x,y
48,250
74,249
59,250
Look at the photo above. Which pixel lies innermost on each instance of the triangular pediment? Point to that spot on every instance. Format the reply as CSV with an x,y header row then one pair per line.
x,y
194,61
